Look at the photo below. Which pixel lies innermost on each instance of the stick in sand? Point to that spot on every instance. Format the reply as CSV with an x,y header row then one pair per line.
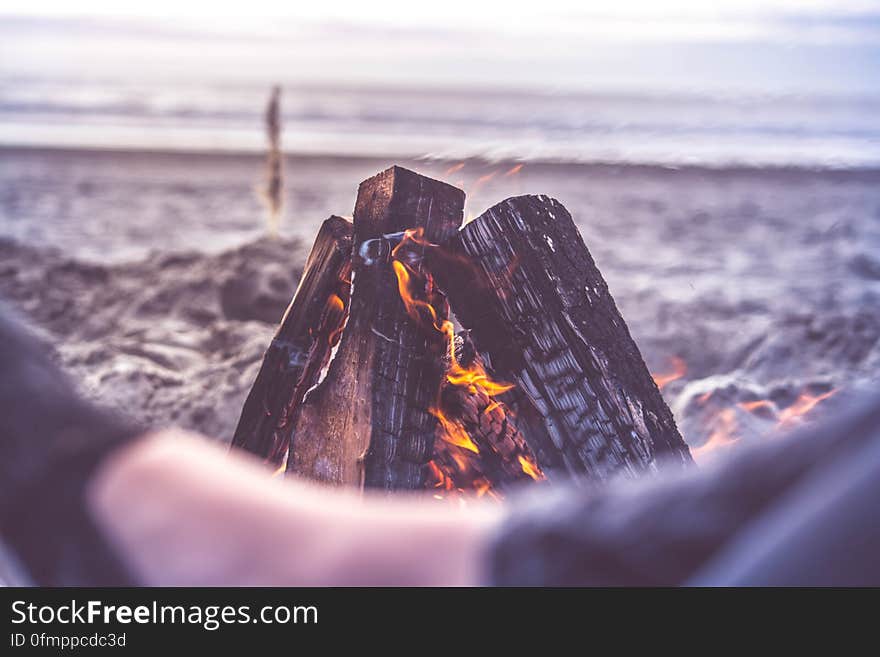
x,y
272,194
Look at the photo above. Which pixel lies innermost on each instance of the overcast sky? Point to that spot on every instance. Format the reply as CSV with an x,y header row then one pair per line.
x,y
734,18
763,45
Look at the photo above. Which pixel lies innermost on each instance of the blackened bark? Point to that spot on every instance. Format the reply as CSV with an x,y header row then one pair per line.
x,y
541,314
301,347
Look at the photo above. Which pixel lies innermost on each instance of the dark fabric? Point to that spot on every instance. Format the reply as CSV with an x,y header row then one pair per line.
x,y
825,533
51,442
660,531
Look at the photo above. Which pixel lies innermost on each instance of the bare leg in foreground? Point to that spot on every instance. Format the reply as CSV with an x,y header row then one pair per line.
x,y
89,498
184,511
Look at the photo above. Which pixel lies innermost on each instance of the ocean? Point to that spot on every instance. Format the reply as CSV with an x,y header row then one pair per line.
x,y
632,128
769,90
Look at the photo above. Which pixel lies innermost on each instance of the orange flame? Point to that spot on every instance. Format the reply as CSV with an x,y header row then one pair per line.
x,y
443,481
413,305
475,378
335,311
412,285
530,468
679,369
454,433
335,303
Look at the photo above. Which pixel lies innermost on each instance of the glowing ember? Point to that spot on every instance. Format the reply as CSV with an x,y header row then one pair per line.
x,y
722,437
726,431
801,406
455,466
482,181
679,369
759,407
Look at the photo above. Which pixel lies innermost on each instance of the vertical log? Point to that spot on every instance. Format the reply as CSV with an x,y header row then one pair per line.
x,y
541,314
301,347
368,422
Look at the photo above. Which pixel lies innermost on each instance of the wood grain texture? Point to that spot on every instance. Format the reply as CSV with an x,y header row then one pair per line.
x,y
541,314
368,422
301,346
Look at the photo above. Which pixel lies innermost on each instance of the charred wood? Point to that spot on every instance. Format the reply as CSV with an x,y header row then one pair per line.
x,y
301,347
368,423
522,280
479,447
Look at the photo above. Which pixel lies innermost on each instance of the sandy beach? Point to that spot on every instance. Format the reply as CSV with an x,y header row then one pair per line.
x,y
151,275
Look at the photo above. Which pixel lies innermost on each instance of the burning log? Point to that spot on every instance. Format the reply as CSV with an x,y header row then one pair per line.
x,y
541,314
369,422
540,317
479,447
309,330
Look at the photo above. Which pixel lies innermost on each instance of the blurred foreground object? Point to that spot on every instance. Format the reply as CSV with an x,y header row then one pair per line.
x,y
51,442
797,511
